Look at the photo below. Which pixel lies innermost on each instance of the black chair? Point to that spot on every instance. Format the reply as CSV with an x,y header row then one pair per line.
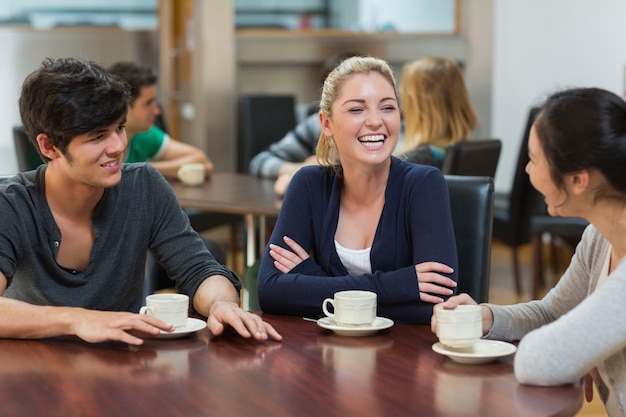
x,y
471,205
27,156
263,120
512,214
568,229
472,157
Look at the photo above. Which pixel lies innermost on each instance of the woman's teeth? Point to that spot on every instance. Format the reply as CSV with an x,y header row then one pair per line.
x,y
372,141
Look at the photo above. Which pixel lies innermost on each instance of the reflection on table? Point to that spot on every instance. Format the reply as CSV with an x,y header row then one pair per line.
x,y
311,373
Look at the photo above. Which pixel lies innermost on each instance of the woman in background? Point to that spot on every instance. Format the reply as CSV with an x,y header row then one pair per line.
x,y
362,219
437,109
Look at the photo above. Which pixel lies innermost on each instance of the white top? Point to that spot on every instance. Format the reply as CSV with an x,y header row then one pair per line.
x,y
356,261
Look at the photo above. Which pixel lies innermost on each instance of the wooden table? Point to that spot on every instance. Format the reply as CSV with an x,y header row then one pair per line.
x,y
252,197
311,373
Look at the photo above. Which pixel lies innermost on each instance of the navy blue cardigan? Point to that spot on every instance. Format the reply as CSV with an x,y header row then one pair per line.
x,y
415,226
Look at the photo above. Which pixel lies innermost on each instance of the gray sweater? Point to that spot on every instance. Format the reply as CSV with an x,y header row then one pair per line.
x,y
296,146
138,214
574,328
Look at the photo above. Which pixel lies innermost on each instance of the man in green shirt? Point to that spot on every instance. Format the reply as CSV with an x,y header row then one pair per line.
x,y
149,143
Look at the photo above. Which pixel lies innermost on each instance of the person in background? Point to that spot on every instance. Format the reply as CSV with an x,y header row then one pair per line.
x,y
437,109
75,232
577,149
148,142
297,148
362,219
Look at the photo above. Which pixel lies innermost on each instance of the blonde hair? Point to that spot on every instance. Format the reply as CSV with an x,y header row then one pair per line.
x,y
326,153
437,107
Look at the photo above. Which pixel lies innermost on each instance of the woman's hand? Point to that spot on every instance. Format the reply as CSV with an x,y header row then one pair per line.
x,y
287,171
284,259
592,377
281,184
464,299
431,282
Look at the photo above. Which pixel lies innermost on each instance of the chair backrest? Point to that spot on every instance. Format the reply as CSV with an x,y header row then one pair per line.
x,y
524,200
471,204
569,229
472,157
27,156
263,120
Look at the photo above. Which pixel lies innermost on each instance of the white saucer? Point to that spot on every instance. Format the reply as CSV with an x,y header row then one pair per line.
x,y
193,325
482,351
379,323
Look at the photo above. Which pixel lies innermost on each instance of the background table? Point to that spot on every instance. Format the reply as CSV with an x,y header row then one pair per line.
x,y
230,193
250,196
311,373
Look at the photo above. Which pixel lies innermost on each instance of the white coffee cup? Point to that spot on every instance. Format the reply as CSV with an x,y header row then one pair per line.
x,y
170,308
353,307
191,174
460,327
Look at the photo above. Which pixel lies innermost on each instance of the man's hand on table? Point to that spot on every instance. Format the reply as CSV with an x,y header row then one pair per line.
x,y
248,325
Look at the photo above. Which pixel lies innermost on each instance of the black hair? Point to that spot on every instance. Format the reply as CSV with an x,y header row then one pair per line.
x,y
134,75
584,128
68,97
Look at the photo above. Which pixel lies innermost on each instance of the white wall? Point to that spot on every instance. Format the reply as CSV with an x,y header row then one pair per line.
x,y
542,46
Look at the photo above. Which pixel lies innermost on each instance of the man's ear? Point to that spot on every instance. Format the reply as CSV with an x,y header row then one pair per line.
x,y
46,147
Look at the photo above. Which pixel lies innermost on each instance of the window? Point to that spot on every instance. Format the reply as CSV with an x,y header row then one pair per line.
x,y
403,16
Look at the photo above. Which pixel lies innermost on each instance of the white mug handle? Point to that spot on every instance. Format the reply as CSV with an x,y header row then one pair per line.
x,y
144,310
325,308
181,173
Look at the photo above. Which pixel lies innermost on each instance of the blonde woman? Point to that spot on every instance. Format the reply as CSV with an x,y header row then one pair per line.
x,y
362,219
437,109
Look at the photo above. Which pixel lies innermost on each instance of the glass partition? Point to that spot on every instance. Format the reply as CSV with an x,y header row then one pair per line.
x,y
46,14
401,16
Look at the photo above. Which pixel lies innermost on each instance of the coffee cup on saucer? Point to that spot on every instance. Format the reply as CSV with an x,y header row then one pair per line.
x,y
170,308
352,307
191,174
460,327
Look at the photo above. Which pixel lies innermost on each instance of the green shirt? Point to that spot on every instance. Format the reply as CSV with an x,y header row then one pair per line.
x,y
146,146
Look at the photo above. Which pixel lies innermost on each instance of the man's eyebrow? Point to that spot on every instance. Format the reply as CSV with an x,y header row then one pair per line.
x,y
97,131
104,129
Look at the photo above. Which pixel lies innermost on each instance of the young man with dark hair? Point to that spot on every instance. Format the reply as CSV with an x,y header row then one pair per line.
x,y
75,232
